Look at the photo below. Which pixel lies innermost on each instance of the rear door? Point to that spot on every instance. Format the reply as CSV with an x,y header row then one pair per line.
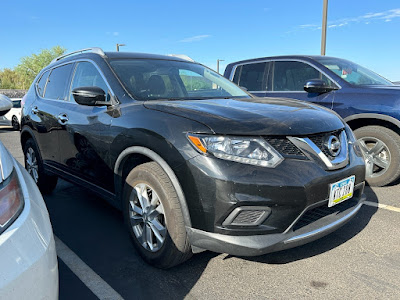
x,y
45,111
287,79
84,137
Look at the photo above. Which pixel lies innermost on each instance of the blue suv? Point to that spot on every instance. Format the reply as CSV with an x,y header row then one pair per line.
x,y
366,101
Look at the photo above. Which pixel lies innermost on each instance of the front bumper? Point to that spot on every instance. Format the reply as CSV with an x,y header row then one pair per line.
x,y
295,235
27,250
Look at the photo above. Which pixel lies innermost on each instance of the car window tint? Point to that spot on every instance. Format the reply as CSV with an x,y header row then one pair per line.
x,y
86,75
236,76
252,77
41,84
17,104
58,81
292,75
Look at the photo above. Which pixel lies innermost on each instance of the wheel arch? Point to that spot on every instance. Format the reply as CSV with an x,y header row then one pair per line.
x,y
362,120
136,155
26,134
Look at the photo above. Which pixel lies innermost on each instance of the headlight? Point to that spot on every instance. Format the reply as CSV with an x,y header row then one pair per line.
x,y
252,151
11,201
353,141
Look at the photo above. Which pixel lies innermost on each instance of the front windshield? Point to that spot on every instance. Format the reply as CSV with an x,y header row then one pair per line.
x,y
352,72
154,79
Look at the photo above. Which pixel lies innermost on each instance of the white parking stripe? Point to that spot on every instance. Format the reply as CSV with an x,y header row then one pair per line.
x,y
93,281
383,206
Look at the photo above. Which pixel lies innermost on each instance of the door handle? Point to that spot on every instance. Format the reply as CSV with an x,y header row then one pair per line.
x,y
62,118
34,110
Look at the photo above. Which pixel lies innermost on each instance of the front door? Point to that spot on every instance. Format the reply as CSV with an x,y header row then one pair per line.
x,y
84,139
289,77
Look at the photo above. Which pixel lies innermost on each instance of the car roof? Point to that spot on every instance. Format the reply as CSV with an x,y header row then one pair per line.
x,y
306,57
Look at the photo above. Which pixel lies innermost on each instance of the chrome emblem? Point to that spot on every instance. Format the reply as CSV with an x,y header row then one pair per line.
x,y
333,145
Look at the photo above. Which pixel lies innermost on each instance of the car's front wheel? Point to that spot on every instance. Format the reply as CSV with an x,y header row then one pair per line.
x,y
34,166
381,149
154,217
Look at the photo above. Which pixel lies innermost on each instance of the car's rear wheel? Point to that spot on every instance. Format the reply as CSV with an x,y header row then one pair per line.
x,y
154,217
34,166
15,123
381,149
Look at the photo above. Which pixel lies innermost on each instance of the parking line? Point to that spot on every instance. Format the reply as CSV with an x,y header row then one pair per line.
x,y
92,280
383,206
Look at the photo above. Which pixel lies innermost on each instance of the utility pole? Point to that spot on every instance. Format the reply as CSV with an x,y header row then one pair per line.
x,y
218,60
119,45
324,21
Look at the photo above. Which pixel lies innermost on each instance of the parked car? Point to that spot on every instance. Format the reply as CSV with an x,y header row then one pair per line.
x,y
27,252
366,101
193,161
13,117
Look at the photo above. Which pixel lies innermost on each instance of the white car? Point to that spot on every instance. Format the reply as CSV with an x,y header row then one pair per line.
x,y
28,261
13,117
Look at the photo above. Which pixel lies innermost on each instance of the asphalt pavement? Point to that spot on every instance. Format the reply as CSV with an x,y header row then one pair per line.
x,y
359,261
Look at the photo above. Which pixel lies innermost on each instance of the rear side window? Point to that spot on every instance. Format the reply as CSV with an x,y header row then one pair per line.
x,y
252,76
292,75
41,84
86,74
17,104
58,82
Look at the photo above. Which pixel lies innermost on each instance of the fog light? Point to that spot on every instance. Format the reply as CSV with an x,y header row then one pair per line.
x,y
247,216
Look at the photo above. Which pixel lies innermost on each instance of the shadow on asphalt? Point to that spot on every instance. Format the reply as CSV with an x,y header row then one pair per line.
x,y
96,232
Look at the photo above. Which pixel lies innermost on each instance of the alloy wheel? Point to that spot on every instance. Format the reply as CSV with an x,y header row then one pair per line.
x,y
377,156
32,164
146,214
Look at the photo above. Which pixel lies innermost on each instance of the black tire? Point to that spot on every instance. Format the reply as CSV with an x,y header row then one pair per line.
x,y
175,248
15,123
44,181
385,167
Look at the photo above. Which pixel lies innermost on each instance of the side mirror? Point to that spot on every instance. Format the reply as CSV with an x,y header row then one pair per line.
x,y
317,86
90,95
5,105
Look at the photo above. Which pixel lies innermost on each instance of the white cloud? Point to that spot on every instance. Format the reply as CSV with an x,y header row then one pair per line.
x,y
115,33
195,38
385,16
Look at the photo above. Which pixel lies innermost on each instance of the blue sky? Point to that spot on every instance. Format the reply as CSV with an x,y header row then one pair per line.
x,y
363,31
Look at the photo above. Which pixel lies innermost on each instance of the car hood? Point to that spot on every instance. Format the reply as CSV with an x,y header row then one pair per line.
x,y
255,116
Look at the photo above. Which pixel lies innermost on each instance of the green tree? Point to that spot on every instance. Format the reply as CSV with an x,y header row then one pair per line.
x,y
30,66
10,79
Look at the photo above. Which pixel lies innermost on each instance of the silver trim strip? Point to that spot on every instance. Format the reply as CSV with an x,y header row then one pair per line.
x,y
96,50
313,152
324,228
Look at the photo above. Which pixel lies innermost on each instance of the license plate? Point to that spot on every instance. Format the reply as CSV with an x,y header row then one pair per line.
x,y
341,190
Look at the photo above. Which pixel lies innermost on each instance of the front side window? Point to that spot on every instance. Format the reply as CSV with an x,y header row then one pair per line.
x,y
58,82
155,79
252,76
293,75
87,75
353,73
41,84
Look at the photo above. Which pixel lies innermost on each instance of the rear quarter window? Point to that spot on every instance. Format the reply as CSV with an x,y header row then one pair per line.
x,y
41,83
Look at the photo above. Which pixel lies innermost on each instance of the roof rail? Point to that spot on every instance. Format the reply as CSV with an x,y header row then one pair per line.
x,y
96,50
182,56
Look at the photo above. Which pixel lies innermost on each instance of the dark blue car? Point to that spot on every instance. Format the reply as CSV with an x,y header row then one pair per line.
x,y
369,103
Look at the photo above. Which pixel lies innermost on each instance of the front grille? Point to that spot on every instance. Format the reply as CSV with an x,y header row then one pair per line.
x,y
320,139
284,146
319,212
